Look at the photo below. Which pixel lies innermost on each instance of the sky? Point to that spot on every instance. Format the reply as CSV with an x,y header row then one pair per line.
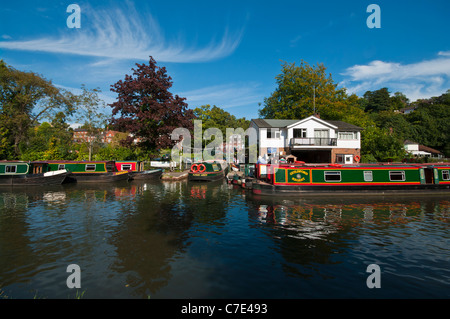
x,y
228,53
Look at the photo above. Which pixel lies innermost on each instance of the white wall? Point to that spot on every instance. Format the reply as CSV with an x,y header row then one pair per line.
x,y
271,142
310,125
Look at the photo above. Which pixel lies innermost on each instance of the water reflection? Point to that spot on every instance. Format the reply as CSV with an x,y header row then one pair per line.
x,y
185,240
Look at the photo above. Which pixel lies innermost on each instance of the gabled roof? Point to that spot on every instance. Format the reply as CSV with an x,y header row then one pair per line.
x,y
275,123
266,123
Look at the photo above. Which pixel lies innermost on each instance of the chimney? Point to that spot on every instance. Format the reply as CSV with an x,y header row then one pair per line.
x,y
317,115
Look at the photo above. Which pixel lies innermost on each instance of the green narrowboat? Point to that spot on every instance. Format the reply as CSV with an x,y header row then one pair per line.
x,y
16,173
338,179
88,171
208,171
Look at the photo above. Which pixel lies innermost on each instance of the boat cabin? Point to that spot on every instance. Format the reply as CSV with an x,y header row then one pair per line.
x,y
78,166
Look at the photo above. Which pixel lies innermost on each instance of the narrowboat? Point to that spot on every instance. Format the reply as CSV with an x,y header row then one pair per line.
x,y
88,171
136,170
208,171
292,179
18,173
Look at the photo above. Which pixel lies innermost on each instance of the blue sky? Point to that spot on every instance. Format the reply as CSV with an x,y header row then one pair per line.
x,y
227,53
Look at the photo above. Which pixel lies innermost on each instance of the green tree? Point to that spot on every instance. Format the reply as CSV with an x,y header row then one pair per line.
x,y
91,111
302,91
219,118
378,100
25,98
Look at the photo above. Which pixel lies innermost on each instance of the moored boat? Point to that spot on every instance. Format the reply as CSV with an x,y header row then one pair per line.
x,y
18,173
320,179
87,171
136,170
208,171
147,174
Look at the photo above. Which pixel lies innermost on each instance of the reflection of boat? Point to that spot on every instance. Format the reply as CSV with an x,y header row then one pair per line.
x,y
26,174
208,171
87,171
340,179
148,174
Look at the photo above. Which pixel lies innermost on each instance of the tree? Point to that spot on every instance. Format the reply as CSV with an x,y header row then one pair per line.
x,y
147,109
302,91
25,98
219,118
90,111
378,100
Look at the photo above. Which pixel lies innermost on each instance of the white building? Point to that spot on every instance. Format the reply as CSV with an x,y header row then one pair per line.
x,y
418,150
312,140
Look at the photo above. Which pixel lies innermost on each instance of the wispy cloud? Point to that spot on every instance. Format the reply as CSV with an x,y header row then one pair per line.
x,y
114,35
416,80
225,96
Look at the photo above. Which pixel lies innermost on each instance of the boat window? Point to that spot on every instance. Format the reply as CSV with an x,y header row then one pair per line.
x,y
397,175
445,175
332,176
110,167
10,168
368,177
90,167
126,167
61,166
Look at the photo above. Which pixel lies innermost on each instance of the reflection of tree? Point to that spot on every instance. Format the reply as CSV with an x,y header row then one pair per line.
x,y
15,250
154,230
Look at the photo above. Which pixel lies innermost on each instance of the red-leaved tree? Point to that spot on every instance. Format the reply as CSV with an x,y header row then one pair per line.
x,y
147,109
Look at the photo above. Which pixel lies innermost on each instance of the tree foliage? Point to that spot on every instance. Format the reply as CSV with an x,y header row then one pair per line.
x,y
147,109
219,118
25,98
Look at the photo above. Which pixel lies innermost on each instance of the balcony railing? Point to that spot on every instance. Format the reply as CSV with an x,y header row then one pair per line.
x,y
312,141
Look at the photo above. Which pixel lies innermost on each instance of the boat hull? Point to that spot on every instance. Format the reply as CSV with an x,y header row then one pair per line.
x,y
98,177
33,180
206,176
146,175
262,188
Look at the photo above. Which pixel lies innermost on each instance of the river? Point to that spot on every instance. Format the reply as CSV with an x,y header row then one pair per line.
x,y
170,240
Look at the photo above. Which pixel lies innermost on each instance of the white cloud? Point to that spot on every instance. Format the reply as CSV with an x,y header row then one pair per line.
x,y
416,80
114,35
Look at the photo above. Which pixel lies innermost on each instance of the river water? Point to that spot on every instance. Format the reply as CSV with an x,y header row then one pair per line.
x,y
164,240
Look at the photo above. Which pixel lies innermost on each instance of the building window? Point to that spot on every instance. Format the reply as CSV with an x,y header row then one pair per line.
x,y
126,167
368,177
90,167
396,175
299,132
445,175
273,133
10,168
61,166
347,135
331,176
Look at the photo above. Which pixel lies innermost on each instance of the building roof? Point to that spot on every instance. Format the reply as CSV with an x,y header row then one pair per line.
x,y
275,123
428,149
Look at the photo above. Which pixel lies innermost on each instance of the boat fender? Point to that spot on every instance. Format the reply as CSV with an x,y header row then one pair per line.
x,y
357,158
201,168
194,168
